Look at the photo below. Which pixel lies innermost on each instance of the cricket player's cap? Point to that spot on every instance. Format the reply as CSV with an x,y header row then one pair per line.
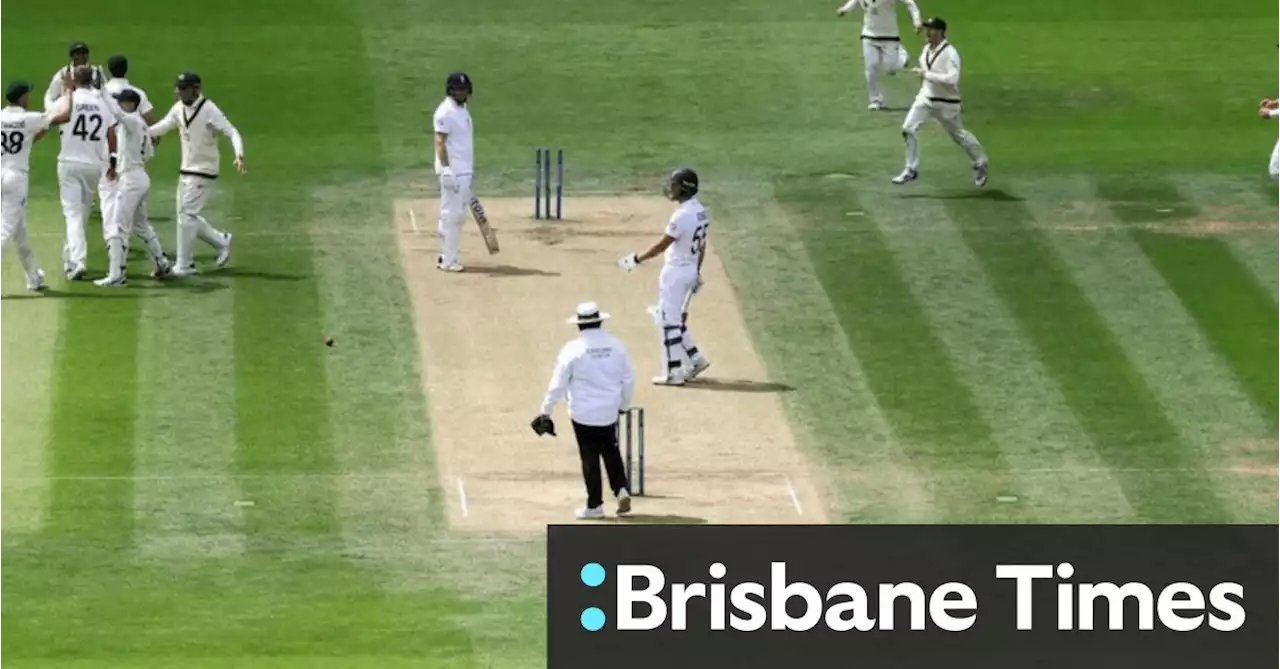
x,y
128,95
77,47
935,23
187,80
16,90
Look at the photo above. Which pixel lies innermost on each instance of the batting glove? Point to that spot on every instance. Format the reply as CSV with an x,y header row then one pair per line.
x,y
447,181
629,261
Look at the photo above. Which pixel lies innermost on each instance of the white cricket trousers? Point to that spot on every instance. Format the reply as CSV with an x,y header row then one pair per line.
x,y
127,208
675,293
948,115
881,55
13,220
77,185
1274,169
453,212
193,193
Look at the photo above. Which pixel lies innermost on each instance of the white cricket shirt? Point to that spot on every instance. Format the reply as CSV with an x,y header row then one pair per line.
x,y
84,136
880,17
941,65
454,121
114,87
199,126
689,226
55,90
133,144
18,128
595,372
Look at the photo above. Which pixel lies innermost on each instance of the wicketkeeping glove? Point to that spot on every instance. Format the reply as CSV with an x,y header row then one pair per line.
x,y
543,425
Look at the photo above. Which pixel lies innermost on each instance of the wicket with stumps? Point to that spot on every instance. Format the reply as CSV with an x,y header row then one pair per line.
x,y
632,425
542,183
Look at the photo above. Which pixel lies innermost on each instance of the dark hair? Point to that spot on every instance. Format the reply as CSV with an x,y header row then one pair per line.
x,y
589,326
118,65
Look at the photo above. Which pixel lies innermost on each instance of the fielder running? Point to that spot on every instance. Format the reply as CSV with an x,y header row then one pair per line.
x,y
128,205
452,122
108,189
19,129
939,98
90,115
79,53
1271,109
683,247
881,44
198,121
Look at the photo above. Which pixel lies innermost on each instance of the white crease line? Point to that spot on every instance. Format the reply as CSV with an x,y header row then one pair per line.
x,y
795,499
413,220
462,498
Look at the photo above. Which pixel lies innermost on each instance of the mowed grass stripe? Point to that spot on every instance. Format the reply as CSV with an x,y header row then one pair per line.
x,y
932,412
282,409
185,423
377,413
94,395
864,470
1112,401
1057,474
1214,420
1238,212
27,348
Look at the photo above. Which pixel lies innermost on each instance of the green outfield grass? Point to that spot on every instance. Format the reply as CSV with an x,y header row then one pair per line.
x,y
1095,333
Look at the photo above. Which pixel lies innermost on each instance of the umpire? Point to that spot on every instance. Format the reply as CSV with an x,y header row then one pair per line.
x,y
596,373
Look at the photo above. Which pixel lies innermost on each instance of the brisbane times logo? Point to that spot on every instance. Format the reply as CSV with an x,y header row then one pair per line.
x,y
642,599
913,596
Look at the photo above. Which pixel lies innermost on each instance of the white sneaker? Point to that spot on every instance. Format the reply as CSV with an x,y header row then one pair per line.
x,y
588,513
76,273
110,282
624,502
225,252
980,175
184,271
907,176
36,283
163,269
454,267
875,105
672,379
699,366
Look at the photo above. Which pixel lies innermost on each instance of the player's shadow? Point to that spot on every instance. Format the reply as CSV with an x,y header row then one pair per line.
x,y
506,270
739,386
657,519
240,273
992,194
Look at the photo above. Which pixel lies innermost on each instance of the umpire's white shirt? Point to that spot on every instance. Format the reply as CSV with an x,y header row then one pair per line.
x,y
596,373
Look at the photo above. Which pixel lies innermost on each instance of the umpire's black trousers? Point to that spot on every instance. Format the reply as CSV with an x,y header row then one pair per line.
x,y
596,443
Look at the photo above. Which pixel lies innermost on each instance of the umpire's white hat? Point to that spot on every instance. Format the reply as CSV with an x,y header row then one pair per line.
x,y
588,312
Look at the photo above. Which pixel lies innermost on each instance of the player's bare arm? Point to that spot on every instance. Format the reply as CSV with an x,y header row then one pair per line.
x,y
442,153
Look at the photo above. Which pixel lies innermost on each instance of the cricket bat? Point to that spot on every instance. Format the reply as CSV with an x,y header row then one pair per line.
x,y
482,222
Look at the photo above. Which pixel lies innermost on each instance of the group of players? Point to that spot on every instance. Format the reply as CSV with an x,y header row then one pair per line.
x,y
108,132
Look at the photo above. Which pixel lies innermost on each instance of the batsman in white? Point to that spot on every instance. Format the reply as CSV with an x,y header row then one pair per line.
x,y
683,247
90,115
939,98
1271,109
79,53
108,189
19,129
882,48
128,172
454,164
199,122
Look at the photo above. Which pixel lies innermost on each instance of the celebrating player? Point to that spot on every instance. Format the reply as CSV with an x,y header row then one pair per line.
x,y
881,45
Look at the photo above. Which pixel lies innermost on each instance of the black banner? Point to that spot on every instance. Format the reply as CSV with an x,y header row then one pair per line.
x,y
900,597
